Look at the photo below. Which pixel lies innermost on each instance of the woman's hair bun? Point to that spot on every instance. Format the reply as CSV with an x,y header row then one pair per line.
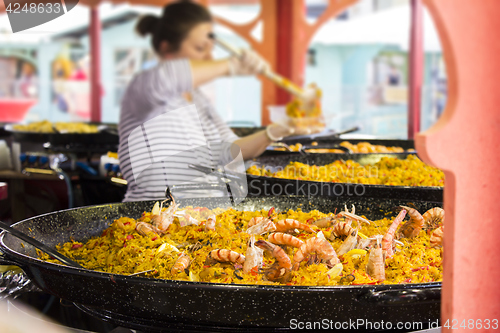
x,y
147,25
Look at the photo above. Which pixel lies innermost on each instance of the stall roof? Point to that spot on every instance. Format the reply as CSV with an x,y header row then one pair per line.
x,y
390,27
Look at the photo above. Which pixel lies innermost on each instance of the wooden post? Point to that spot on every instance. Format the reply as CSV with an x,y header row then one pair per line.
x,y
95,64
416,55
285,43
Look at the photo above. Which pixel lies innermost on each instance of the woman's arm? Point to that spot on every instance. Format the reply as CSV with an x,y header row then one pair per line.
x,y
204,71
253,145
249,63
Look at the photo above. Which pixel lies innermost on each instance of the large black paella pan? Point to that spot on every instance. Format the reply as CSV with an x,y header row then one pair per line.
x,y
227,306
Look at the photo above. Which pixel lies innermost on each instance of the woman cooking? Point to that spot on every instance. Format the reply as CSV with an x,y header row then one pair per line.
x,y
181,39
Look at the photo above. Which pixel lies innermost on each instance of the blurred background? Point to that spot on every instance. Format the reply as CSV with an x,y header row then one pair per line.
x,y
359,59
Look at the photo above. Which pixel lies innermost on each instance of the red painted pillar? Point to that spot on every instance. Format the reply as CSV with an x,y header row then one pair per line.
x,y
95,65
284,47
416,68
470,123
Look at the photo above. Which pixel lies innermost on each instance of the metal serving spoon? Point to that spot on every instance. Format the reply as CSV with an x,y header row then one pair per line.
x,y
30,240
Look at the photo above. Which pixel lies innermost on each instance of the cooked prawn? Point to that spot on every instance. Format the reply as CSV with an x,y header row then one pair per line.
x,y
284,239
144,228
256,220
164,219
181,264
349,243
433,218
280,270
186,219
342,228
365,243
413,226
354,217
210,224
321,247
288,224
224,255
253,256
388,238
376,265
325,222
261,228
437,237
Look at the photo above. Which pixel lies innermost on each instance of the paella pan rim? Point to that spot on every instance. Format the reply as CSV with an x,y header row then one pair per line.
x,y
372,186
23,259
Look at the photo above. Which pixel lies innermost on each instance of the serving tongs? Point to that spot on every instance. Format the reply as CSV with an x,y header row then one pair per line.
x,y
345,150
226,177
287,147
21,235
304,149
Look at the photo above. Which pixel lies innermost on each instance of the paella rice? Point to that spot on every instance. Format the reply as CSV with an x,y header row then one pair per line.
x,y
388,171
121,249
366,147
46,126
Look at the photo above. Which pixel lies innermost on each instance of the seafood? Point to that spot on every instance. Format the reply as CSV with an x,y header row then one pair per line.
x,y
288,224
342,229
181,264
376,265
436,239
210,224
224,255
388,238
354,217
284,239
365,243
261,228
433,218
413,226
253,256
120,249
164,219
349,243
325,222
256,220
321,247
186,219
280,270
351,215
144,228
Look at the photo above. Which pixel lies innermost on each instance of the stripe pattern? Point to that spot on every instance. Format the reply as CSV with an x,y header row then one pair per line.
x,y
161,132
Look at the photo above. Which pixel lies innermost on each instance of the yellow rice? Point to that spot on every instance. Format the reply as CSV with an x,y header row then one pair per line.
x,y
124,251
388,171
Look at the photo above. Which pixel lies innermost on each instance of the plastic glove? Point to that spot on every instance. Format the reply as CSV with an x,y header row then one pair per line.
x,y
276,132
249,63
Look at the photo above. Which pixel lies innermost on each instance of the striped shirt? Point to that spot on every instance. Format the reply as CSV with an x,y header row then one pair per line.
x,y
161,132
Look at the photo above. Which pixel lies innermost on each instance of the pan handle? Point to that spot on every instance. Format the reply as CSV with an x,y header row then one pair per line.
x,y
13,280
402,296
